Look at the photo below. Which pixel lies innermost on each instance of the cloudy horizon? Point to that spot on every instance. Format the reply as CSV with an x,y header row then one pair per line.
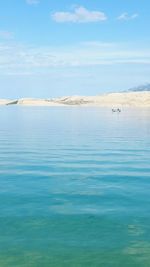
x,y
53,49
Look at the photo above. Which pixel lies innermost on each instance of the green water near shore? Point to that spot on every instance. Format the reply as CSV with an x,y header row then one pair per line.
x,y
74,191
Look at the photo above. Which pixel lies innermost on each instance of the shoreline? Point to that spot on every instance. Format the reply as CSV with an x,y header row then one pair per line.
x,y
122,99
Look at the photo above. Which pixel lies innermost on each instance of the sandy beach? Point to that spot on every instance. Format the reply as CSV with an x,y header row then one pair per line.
x,y
123,99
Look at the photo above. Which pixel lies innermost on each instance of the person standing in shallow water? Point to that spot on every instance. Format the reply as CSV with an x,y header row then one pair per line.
x,y
116,110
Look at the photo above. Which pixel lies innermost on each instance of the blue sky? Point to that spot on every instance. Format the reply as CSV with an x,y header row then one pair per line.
x,y
84,47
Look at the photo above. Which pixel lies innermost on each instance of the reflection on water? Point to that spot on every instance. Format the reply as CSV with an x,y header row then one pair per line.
x,y
74,187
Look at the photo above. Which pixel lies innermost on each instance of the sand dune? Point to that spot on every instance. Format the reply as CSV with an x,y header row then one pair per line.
x,y
129,99
38,102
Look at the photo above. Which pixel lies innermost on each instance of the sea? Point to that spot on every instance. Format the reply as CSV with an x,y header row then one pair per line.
x,y
74,187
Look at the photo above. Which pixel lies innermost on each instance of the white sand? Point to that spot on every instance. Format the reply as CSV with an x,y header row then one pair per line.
x,y
132,99
4,101
38,102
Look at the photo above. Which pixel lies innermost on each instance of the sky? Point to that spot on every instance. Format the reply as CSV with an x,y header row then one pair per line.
x,y
73,47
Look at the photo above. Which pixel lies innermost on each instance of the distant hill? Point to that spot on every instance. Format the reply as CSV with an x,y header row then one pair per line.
x,y
141,88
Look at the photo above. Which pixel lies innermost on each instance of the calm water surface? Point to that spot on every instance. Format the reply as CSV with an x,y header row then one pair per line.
x,y
74,187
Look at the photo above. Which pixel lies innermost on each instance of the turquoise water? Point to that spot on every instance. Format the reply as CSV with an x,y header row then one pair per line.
x,y
74,187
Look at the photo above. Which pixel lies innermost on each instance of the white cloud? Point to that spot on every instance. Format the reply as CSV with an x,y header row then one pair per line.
x,y
6,35
98,44
125,16
32,2
15,58
80,15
